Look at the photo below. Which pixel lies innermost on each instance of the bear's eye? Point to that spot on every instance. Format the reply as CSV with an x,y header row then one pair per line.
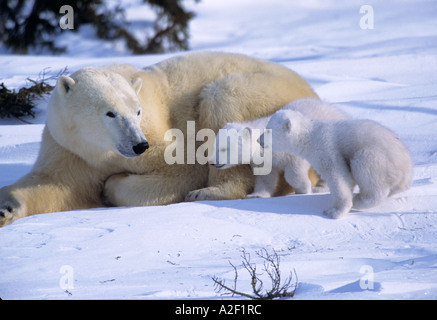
x,y
110,114
139,112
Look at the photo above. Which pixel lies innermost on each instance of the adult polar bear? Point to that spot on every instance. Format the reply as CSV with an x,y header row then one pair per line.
x,y
100,121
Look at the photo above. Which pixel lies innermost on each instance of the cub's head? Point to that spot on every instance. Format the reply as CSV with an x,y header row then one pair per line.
x,y
97,111
234,145
289,128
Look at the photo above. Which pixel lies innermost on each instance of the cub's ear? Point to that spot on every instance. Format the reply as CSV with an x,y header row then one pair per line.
x,y
137,84
65,84
287,125
247,132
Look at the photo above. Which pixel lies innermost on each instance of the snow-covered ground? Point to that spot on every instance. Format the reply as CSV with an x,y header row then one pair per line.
x,y
388,73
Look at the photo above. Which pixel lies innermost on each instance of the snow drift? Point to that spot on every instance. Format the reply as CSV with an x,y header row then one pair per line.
x,y
388,74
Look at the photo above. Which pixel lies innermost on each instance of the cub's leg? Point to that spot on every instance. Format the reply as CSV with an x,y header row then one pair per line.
x,y
265,185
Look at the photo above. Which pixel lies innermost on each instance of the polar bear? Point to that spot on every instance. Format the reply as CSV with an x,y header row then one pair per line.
x,y
296,170
346,153
104,144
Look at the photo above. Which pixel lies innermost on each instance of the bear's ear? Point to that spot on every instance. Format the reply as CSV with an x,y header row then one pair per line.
x,y
65,84
137,84
246,134
287,125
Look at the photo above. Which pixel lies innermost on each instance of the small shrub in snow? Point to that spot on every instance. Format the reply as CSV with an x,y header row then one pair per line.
x,y
19,104
280,288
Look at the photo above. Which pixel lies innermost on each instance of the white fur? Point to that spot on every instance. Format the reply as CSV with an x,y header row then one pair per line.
x,y
98,120
295,168
346,153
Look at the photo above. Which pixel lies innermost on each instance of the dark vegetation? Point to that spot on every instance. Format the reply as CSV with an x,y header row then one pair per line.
x,y
26,24
20,104
279,288
35,24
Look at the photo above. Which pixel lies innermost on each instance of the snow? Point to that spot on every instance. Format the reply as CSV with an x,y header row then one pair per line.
x,y
388,74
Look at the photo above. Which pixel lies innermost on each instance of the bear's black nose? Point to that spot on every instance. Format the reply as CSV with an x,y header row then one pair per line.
x,y
141,147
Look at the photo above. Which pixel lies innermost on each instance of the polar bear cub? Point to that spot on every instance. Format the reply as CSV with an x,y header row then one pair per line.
x,y
346,153
295,168
236,143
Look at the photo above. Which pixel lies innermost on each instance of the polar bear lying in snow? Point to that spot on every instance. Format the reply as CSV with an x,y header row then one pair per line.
x,y
101,120
346,153
296,170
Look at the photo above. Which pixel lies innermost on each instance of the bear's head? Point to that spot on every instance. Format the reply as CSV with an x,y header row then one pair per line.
x,y
233,146
289,131
97,111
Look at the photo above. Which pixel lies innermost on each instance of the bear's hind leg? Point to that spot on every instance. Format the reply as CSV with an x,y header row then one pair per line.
x,y
341,187
241,97
369,172
371,194
365,201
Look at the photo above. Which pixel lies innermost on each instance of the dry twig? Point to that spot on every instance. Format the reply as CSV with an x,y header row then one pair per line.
x,y
279,288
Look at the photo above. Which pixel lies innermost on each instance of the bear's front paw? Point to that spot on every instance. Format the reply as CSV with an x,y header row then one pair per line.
x,y
210,193
258,195
112,188
9,211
